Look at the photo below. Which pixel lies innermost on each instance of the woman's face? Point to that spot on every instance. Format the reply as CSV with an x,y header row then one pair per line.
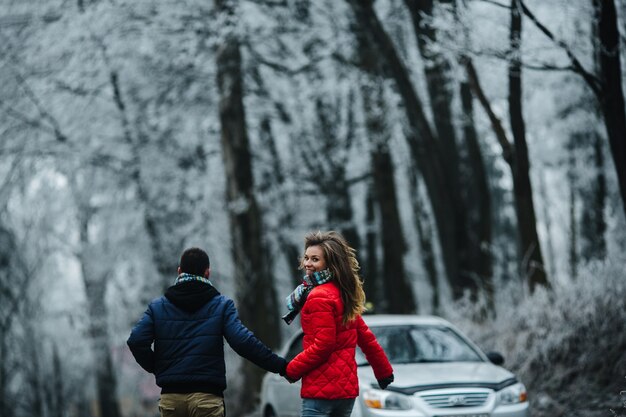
x,y
313,259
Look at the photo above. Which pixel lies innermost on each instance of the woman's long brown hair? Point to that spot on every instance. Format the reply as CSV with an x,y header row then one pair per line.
x,y
341,260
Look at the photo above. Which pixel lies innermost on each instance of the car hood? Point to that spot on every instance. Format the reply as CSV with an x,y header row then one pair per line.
x,y
420,376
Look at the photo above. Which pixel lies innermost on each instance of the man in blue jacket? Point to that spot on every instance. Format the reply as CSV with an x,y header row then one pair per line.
x,y
187,326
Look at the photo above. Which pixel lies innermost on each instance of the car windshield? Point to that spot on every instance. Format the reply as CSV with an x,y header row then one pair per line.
x,y
415,344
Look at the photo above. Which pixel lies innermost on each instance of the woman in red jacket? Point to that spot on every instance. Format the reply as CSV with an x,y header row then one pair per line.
x,y
331,300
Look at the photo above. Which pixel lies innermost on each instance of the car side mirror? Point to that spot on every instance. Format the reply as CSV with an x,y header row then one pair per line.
x,y
495,358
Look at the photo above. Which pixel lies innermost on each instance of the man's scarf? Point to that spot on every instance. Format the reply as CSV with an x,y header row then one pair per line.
x,y
185,277
296,299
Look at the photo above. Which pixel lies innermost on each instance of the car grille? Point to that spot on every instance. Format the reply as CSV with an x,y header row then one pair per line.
x,y
461,399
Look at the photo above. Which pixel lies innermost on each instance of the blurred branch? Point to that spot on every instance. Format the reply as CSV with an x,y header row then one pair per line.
x,y
577,67
547,67
10,177
276,66
56,128
504,55
16,114
495,3
78,91
359,178
507,147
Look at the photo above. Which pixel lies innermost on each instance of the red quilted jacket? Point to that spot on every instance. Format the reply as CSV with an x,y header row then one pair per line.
x,y
327,365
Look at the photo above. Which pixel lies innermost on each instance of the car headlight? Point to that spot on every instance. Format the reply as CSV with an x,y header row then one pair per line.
x,y
513,394
386,400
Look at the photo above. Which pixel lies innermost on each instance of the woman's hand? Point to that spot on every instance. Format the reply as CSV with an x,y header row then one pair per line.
x,y
384,382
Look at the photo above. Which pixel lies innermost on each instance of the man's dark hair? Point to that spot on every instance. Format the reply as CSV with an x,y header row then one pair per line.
x,y
194,261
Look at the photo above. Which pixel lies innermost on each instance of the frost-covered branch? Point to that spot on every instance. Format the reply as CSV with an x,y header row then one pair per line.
x,y
279,66
547,67
496,3
507,147
577,67
18,115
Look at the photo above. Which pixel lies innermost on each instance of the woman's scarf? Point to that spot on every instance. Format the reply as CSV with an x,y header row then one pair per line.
x,y
185,277
296,299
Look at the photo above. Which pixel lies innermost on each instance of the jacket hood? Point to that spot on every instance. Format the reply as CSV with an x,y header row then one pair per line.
x,y
191,296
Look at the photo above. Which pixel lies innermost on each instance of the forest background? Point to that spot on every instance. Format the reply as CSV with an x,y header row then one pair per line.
x,y
472,151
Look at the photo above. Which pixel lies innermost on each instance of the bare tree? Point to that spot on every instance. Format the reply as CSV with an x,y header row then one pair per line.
x,y
253,277
593,223
397,290
533,268
463,161
607,84
95,274
515,154
422,142
612,97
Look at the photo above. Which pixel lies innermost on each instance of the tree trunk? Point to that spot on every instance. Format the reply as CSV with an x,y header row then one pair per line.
x,y
339,213
165,245
95,291
573,221
612,99
436,71
532,265
551,259
423,147
34,375
593,223
424,233
341,217
398,291
335,185
252,274
370,269
480,217
106,384
57,388
465,180
95,279
276,178
8,313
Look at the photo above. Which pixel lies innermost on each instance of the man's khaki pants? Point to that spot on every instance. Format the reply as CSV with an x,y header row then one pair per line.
x,y
197,404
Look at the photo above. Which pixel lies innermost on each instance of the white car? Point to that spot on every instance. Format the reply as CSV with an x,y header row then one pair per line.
x,y
438,372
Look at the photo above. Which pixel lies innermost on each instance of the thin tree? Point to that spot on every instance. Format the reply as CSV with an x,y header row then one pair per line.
x,y
423,146
607,84
515,153
612,98
532,259
252,272
399,297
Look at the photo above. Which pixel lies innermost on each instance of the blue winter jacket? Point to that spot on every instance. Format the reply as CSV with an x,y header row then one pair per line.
x,y
188,326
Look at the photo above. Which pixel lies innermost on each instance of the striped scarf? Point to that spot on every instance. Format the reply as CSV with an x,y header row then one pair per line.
x,y
296,299
185,277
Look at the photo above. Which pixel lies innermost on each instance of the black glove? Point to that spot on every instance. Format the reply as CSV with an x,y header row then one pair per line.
x,y
384,382
283,369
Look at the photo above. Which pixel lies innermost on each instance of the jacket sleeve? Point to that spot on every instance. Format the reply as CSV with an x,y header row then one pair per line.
x,y
246,344
324,332
373,352
140,341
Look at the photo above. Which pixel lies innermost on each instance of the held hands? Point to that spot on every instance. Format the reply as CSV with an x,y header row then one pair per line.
x,y
291,381
283,373
384,382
